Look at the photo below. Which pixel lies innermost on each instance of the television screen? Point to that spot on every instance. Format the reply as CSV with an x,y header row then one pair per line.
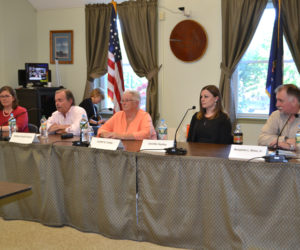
x,y
37,73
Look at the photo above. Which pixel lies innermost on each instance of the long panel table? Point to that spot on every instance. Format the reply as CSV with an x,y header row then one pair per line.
x,y
10,188
201,200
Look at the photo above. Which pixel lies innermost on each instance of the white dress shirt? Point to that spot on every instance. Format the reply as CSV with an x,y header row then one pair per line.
x,y
73,117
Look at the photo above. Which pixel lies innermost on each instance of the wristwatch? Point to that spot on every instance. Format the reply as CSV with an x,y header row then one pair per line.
x,y
292,147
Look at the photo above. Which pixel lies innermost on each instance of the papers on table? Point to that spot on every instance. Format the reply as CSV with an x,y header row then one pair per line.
x,y
287,153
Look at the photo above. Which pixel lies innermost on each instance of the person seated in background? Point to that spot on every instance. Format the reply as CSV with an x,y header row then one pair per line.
x,y
67,117
211,124
88,104
288,105
131,123
8,105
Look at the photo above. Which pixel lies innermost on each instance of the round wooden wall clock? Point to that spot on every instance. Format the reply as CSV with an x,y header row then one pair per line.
x,y
188,41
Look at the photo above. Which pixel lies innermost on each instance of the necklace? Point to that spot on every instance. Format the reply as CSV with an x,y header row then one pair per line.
x,y
6,114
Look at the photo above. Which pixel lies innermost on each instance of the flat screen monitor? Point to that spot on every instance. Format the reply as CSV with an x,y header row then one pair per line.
x,y
37,73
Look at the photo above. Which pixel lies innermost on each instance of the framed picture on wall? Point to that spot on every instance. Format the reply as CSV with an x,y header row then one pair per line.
x,y
61,46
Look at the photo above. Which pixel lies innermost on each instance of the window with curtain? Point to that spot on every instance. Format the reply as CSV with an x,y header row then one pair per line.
x,y
250,76
131,80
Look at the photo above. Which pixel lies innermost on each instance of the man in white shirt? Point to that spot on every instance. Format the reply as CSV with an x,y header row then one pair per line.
x,y
67,117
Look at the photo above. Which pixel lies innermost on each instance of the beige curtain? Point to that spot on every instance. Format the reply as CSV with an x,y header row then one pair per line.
x,y
138,20
291,22
97,20
239,21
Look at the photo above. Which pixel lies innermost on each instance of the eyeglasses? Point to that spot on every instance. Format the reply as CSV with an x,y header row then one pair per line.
x,y
123,101
4,96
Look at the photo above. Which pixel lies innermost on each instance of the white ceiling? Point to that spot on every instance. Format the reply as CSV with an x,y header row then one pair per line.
x,y
62,4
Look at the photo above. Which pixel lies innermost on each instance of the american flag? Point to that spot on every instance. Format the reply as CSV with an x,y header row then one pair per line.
x,y
275,69
115,86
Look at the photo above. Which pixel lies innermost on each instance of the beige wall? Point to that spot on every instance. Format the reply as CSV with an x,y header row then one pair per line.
x,y
1,43
179,82
73,76
18,38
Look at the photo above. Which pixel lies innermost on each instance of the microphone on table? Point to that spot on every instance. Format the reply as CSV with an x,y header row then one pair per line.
x,y
6,138
277,157
174,150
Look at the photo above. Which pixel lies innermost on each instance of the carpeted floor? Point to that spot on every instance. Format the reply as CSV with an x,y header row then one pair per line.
x,y
25,235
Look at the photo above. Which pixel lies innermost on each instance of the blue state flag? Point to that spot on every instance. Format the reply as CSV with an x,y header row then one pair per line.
x,y
275,69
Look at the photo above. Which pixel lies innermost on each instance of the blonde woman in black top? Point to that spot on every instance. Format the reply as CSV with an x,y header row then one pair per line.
x,y
89,105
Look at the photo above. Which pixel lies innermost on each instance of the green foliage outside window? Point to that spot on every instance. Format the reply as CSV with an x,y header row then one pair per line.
x,y
252,70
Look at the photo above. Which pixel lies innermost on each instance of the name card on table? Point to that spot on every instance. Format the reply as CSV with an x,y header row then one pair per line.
x,y
156,145
105,143
247,152
24,138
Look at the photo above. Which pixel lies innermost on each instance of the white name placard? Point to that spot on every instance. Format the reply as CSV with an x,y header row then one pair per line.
x,y
24,138
105,143
247,152
156,145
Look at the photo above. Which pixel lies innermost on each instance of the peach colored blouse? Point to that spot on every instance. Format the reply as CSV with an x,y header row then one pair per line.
x,y
141,126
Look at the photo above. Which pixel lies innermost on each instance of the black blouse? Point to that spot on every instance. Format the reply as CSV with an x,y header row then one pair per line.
x,y
216,130
90,108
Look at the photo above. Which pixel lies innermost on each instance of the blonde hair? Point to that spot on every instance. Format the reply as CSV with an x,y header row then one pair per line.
x,y
97,92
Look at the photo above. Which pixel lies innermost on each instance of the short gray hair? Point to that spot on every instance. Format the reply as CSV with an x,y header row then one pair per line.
x,y
135,94
291,90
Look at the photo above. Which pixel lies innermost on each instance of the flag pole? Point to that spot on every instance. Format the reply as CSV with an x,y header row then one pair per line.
x,y
275,66
115,79
278,23
114,4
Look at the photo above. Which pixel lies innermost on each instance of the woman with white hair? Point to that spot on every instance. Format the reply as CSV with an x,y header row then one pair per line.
x,y
131,123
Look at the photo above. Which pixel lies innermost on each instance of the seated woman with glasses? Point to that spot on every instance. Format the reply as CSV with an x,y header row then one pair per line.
x,y
9,105
131,123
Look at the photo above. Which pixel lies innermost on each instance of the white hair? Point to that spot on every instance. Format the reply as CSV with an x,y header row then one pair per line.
x,y
135,94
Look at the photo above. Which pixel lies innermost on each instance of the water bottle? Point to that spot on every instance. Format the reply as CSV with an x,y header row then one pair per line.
x,y
43,128
12,125
162,130
84,131
238,135
298,140
90,133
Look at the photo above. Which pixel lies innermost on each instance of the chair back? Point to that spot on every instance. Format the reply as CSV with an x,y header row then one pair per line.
x,y
32,128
